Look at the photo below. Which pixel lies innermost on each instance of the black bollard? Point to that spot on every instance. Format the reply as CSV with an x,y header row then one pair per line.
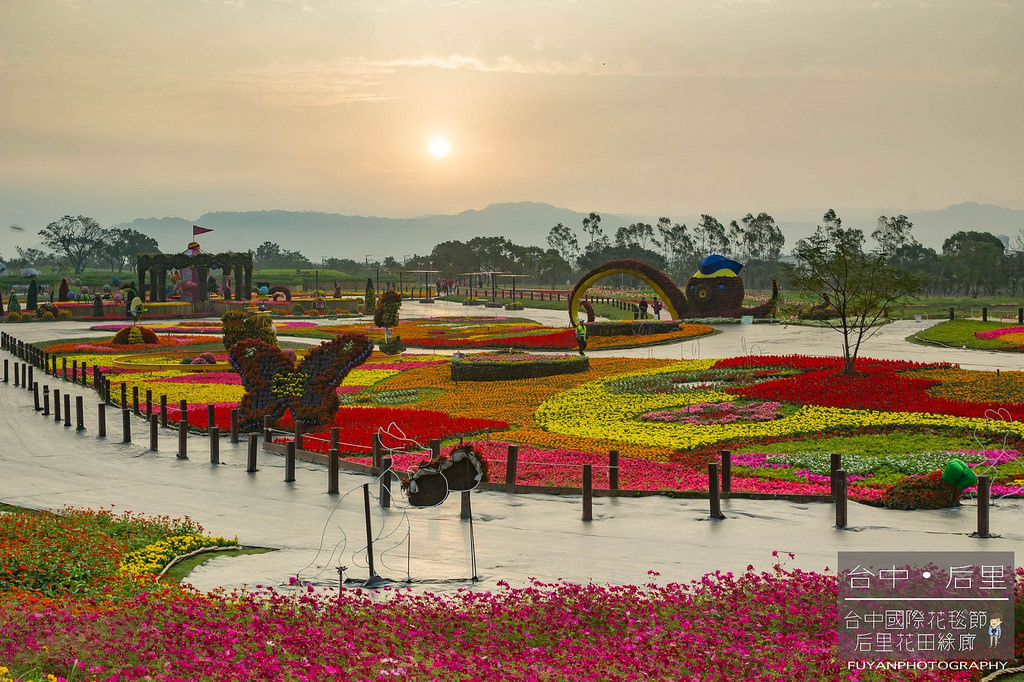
x,y
182,439
251,463
511,466
716,504
841,483
289,462
984,493
726,471
268,432
385,483
234,425
369,529
135,399
31,379
101,420
214,445
836,465
124,395
56,405
67,409
613,470
984,314
149,403
79,413
378,449
46,401
332,471
7,371
300,427
163,411
154,440
35,396
126,425
466,511
183,411
211,416
588,492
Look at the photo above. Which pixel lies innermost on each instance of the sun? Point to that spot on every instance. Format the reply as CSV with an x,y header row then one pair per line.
x,y
439,147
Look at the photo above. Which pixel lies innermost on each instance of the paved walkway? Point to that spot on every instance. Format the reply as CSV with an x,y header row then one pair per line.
x,y
46,465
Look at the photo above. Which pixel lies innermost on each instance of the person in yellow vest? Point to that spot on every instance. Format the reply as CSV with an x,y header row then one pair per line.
x,y
581,336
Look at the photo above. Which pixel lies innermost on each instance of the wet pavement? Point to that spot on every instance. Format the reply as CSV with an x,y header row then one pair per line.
x,y
45,465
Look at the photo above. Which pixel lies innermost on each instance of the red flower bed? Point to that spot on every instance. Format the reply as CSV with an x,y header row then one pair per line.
x,y
876,385
403,428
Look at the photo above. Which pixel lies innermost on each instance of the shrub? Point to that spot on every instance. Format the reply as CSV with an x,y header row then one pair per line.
x,y
370,295
385,313
64,315
238,326
47,317
298,309
133,335
14,317
921,492
13,306
392,347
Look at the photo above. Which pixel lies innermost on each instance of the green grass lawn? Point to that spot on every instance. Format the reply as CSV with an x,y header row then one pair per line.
x,y
960,334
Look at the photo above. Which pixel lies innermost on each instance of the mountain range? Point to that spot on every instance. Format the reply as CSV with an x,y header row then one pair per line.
x,y
319,235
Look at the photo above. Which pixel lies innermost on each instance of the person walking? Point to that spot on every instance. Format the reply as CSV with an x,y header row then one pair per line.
x,y
581,336
643,308
656,306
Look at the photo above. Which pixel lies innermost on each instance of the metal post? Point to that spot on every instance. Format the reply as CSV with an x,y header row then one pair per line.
x,y
101,418
251,463
183,411
79,413
369,530
135,399
149,403
74,371
613,470
726,471
163,411
588,492
332,472
435,447
511,466
268,433
841,498
7,371
124,395
289,462
214,445
126,425
31,379
836,465
17,383
716,504
67,409
234,425
64,368
385,483
378,449
35,396
46,401
466,511
299,428
984,490
56,405
952,315
154,424
1020,318
211,416
182,439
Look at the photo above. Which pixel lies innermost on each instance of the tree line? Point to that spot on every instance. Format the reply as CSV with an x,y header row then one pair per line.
x,y
970,263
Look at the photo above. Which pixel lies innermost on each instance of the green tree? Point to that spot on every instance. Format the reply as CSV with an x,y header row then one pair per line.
x,y
973,261
563,240
124,246
893,233
861,286
710,237
592,227
77,238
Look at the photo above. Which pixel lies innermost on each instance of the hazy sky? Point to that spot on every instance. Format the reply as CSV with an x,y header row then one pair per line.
x,y
133,108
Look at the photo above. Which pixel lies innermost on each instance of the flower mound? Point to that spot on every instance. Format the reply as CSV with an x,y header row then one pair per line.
x,y
921,492
134,335
719,413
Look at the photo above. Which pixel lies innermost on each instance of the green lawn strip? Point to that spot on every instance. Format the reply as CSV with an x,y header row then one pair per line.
x,y
180,570
960,334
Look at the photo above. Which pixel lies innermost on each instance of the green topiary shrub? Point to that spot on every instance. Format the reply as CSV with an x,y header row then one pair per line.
x,y
298,309
370,297
392,347
13,306
921,492
32,302
238,326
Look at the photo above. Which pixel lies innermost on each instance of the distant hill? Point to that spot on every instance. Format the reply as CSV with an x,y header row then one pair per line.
x,y
319,235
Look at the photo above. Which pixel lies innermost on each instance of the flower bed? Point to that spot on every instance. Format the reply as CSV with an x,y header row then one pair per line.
x,y
503,366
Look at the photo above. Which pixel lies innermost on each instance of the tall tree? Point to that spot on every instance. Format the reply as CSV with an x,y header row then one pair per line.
x,y
592,227
709,236
762,237
974,261
124,246
77,238
563,240
861,286
893,233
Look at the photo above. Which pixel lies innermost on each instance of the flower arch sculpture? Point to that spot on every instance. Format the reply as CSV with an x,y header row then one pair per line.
x,y
662,285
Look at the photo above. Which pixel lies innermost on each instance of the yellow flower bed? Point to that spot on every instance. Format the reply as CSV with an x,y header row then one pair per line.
x,y
592,411
368,377
978,387
151,559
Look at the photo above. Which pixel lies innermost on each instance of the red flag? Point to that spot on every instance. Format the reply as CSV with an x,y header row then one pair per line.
x,y
200,230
